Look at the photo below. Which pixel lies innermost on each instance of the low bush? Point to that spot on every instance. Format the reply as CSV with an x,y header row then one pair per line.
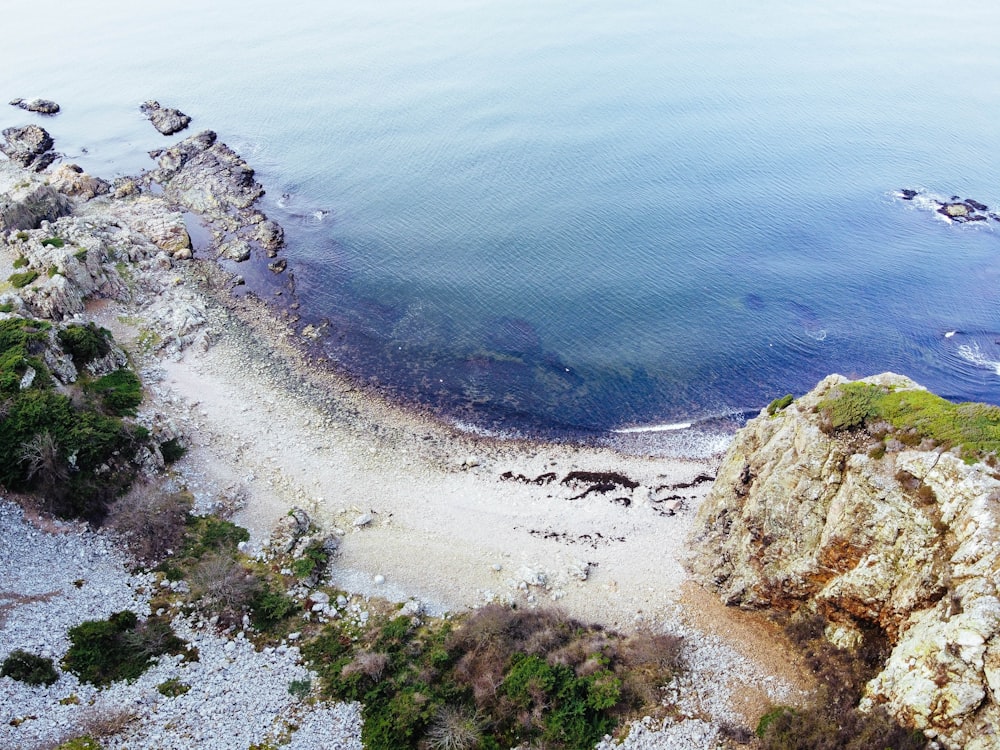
x,y
120,392
53,242
172,450
832,720
151,521
313,560
269,607
20,262
300,689
29,668
172,688
119,648
496,678
21,280
84,343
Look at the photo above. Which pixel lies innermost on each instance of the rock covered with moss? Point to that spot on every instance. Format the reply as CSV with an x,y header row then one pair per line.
x,y
873,504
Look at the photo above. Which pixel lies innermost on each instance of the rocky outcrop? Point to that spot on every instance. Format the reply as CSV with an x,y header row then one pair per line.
x,y
41,106
165,119
957,209
203,175
26,206
905,543
28,147
71,180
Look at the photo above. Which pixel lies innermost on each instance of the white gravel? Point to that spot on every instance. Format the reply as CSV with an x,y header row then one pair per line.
x,y
238,696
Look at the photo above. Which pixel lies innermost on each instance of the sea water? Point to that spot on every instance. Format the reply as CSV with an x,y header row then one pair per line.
x,y
581,216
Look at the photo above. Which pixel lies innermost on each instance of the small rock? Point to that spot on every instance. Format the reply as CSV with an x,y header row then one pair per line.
x,y
363,520
165,119
277,266
41,106
379,580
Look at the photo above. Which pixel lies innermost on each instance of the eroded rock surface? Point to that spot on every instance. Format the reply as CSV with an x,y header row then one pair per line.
x,y
907,543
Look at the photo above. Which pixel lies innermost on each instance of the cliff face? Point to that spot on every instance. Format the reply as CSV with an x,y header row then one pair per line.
x,y
906,543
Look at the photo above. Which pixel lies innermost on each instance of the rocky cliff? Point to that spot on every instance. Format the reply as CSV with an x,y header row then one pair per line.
x,y
883,530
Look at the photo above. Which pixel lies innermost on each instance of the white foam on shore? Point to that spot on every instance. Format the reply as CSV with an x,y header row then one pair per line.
x,y
655,428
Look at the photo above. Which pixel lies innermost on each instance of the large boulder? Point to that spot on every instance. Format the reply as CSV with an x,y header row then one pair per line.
x,y
28,146
904,542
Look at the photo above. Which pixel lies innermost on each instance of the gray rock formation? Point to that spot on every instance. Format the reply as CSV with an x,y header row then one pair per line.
x,y
26,201
907,543
165,119
203,175
41,106
28,147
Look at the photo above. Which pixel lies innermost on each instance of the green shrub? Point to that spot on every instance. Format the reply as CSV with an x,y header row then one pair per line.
x,y
80,743
269,607
22,236
20,261
172,450
172,688
300,689
81,255
20,280
29,668
53,242
779,404
119,648
120,392
84,343
6,307
494,679
313,560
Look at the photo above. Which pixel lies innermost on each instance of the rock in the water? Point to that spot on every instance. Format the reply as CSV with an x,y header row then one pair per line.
x,y
165,119
277,266
908,195
904,543
41,106
28,147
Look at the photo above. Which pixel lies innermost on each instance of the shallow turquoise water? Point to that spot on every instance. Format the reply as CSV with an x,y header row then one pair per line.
x,y
583,215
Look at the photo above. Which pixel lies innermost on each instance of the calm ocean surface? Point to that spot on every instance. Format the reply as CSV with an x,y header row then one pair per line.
x,y
581,215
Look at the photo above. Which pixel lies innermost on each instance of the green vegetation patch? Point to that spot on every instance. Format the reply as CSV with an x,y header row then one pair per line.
x,y
172,450
914,415
20,261
119,648
120,392
496,678
22,342
53,242
85,742
20,280
172,688
780,404
85,343
28,668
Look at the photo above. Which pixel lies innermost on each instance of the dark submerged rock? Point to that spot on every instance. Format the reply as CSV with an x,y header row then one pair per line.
x,y
908,195
165,119
28,147
41,106
975,204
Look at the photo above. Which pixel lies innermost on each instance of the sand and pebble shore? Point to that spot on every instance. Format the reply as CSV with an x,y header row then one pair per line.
x,y
425,513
